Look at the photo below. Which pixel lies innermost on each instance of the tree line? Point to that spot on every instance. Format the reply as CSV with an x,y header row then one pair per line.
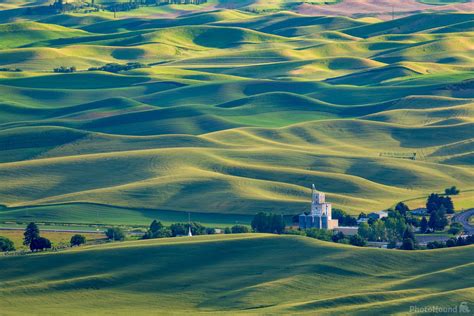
x,y
110,67
35,242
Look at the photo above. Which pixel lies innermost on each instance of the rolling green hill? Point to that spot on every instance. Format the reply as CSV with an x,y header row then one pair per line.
x,y
235,274
235,112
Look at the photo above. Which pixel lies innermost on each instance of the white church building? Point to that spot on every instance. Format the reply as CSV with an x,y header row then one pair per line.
x,y
320,215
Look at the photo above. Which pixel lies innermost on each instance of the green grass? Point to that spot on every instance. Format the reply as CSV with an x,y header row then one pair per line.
x,y
232,274
56,238
86,213
237,113
462,201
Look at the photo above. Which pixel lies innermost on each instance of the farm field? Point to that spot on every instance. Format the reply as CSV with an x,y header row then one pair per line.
x,y
56,238
114,114
238,274
78,214
463,201
234,113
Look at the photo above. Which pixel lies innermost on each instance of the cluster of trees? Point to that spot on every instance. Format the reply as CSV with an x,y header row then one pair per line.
x,y
343,218
114,67
268,223
438,202
158,230
437,207
237,229
453,242
166,2
6,244
438,222
455,228
408,242
451,191
396,227
77,240
181,229
64,69
33,239
135,4
115,233
391,228
11,69
330,235
121,6
61,6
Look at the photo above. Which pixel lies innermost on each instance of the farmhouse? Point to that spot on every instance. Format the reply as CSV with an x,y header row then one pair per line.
x,y
320,215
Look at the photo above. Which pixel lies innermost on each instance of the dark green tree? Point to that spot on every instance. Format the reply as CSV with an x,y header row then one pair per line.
x,y
357,240
436,202
408,244
455,228
155,226
6,244
448,204
432,204
451,242
277,224
378,231
402,208
181,229
77,240
438,220
408,234
115,233
240,229
40,243
343,218
157,230
424,225
338,237
451,191
320,234
31,232
210,231
364,230
268,223
197,229
260,223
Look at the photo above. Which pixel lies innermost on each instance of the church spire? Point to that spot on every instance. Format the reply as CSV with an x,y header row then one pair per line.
x,y
190,234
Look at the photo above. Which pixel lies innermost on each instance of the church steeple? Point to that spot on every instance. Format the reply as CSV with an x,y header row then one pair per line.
x,y
190,234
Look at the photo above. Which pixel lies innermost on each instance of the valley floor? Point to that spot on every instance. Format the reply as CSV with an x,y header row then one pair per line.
x,y
235,274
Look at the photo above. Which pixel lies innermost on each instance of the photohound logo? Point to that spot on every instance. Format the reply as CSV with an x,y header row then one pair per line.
x,y
462,308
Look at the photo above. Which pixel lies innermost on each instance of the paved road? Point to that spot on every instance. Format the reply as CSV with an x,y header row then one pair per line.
x,y
463,218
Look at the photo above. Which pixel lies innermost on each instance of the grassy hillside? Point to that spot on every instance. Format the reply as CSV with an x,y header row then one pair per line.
x,y
235,112
247,274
